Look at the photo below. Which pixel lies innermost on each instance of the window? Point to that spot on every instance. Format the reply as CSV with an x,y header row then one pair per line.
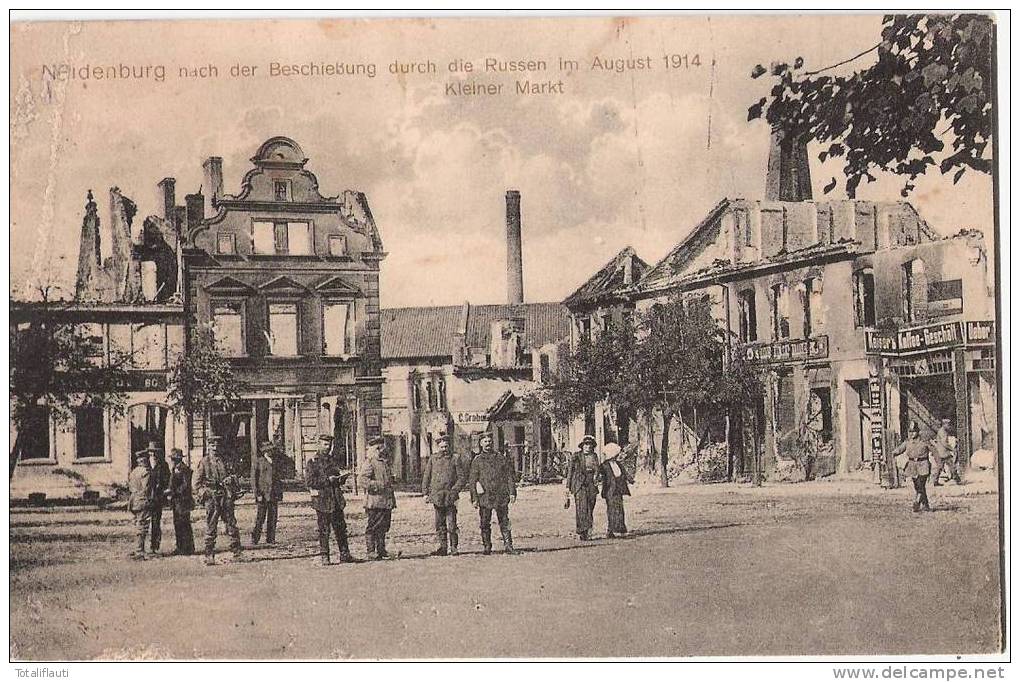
x,y
430,396
283,329
34,433
89,433
282,239
95,348
338,246
281,190
335,329
864,298
415,396
915,290
148,346
780,312
227,325
147,424
812,305
743,228
263,238
543,368
441,393
748,316
225,244
820,413
585,326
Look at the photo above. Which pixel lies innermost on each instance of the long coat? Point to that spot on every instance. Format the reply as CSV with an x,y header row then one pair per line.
x,y
159,481
491,480
613,485
181,498
442,479
140,489
581,478
267,484
376,478
326,496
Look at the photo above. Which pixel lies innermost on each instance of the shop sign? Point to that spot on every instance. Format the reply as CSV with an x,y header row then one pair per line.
x,y
979,332
470,417
930,337
879,342
945,297
814,348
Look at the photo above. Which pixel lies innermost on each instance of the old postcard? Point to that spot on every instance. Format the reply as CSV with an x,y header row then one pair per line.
x,y
506,337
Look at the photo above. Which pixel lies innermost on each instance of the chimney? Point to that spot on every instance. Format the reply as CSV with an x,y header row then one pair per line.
x,y
212,185
166,199
788,177
89,254
514,268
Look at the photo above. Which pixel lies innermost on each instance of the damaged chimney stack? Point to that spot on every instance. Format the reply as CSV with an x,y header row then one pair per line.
x,y
212,185
167,199
514,266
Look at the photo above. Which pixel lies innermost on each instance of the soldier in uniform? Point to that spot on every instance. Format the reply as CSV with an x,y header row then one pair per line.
x,y
215,491
582,481
159,480
140,500
918,465
945,454
377,480
491,481
324,480
615,484
181,503
442,479
268,489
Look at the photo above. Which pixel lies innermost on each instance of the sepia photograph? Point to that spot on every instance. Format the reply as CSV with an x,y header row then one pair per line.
x,y
509,337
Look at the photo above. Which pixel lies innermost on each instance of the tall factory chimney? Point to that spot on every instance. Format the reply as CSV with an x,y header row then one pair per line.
x,y
514,267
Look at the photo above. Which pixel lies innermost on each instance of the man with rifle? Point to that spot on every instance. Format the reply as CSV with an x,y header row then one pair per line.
x,y
217,489
325,484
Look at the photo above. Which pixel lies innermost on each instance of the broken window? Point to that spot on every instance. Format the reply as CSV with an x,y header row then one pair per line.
x,y
34,433
95,348
263,238
227,326
430,396
864,298
441,393
89,433
148,346
299,239
743,228
338,246
812,305
283,329
915,291
281,190
780,312
820,413
415,396
225,244
335,328
748,316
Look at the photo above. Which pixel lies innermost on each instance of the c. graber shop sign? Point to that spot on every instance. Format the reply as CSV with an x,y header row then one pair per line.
x,y
930,337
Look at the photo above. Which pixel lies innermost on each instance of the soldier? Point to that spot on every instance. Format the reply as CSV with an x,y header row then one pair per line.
x,y
159,480
323,479
181,503
582,480
377,480
268,490
491,480
140,500
214,490
615,480
945,453
918,465
442,480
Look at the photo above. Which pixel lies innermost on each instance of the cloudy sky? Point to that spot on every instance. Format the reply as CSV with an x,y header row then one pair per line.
x,y
634,158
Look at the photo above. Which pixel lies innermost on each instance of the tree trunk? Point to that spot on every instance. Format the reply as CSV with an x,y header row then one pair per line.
x,y
15,455
667,417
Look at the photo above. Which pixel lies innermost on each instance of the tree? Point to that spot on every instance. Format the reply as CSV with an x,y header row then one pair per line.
x,y
933,74
202,378
62,368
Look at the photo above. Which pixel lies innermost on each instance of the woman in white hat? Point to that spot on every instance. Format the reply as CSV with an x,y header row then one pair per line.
x,y
615,480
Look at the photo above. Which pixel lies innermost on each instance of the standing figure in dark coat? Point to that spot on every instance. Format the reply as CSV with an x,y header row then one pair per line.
x,y
268,489
582,481
615,484
493,485
324,480
945,454
140,500
159,480
377,479
918,465
215,487
442,479
181,503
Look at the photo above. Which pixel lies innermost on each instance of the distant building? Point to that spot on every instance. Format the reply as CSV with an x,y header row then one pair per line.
x,y
289,279
463,369
126,301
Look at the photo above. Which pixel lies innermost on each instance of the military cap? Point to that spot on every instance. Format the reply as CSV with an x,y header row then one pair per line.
x,y
378,440
215,439
443,437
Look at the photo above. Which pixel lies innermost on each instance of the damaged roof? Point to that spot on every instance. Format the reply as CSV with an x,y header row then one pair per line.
x,y
427,331
611,279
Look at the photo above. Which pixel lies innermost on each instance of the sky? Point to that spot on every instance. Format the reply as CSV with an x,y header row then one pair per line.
x,y
634,158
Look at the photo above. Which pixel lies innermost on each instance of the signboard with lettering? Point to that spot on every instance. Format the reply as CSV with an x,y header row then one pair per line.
x,y
795,350
930,337
945,297
470,417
